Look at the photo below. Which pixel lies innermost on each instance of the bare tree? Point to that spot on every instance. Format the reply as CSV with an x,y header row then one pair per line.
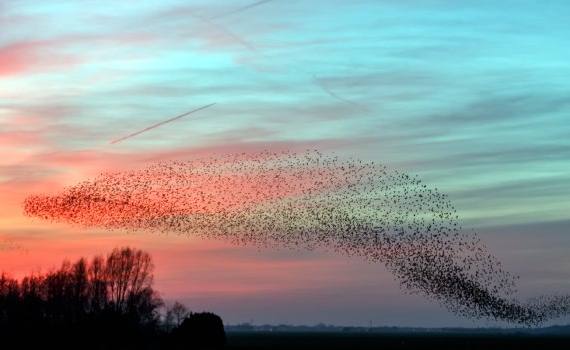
x,y
178,313
79,285
110,297
128,274
97,284
169,320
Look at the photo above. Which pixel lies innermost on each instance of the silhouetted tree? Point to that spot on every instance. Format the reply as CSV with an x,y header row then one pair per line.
x,y
9,299
169,322
179,313
203,330
110,297
129,275
108,303
97,286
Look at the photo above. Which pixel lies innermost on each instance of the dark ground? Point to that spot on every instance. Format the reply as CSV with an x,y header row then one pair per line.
x,y
352,341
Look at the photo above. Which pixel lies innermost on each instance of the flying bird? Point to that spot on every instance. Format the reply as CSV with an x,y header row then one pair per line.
x,y
161,123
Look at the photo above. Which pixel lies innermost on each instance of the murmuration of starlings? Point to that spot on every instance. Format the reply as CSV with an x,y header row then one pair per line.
x,y
310,200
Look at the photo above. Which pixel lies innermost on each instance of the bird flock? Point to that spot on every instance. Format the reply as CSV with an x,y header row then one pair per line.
x,y
310,200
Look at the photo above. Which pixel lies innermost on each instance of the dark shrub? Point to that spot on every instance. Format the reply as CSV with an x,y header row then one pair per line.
x,y
201,331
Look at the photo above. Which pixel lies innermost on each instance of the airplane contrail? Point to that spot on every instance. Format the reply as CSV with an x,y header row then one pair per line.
x,y
241,9
225,31
252,48
332,94
161,123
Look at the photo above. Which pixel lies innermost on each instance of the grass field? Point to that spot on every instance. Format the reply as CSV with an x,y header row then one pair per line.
x,y
328,340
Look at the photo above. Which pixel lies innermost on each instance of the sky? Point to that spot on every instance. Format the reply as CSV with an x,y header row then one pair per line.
x,y
472,96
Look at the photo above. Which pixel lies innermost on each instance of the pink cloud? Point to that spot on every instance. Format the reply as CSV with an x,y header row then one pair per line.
x,y
31,56
44,55
68,167
17,58
18,138
117,156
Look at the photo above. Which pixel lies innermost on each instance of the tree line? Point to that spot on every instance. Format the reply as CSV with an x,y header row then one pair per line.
x,y
108,299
